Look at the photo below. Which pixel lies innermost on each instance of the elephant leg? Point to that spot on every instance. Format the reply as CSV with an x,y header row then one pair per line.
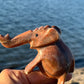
x,y
62,79
32,64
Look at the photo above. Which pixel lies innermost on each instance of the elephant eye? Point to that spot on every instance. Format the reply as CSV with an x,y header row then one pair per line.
x,y
36,35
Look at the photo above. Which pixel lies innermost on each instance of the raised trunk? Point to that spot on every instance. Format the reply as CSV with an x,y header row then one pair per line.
x,y
18,40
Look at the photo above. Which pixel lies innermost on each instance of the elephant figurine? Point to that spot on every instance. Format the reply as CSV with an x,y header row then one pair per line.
x,y
54,58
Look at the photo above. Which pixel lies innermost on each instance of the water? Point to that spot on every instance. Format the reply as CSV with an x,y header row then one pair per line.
x,y
17,16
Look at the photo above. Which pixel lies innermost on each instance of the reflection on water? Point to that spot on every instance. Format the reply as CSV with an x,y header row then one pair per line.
x,y
17,16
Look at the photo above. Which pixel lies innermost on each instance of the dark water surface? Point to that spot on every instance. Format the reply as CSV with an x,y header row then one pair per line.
x,y
17,16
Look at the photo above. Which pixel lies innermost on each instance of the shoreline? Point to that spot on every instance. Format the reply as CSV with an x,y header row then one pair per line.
x,y
77,77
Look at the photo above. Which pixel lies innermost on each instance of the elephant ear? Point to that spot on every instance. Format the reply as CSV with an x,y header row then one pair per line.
x,y
57,28
50,36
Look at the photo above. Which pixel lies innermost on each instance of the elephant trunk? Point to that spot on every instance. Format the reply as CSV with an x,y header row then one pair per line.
x,y
18,40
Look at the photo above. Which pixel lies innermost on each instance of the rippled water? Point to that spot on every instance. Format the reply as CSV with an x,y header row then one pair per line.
x,y
17,16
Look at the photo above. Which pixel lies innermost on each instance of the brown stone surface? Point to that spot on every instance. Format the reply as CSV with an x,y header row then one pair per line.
x,y
78,77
